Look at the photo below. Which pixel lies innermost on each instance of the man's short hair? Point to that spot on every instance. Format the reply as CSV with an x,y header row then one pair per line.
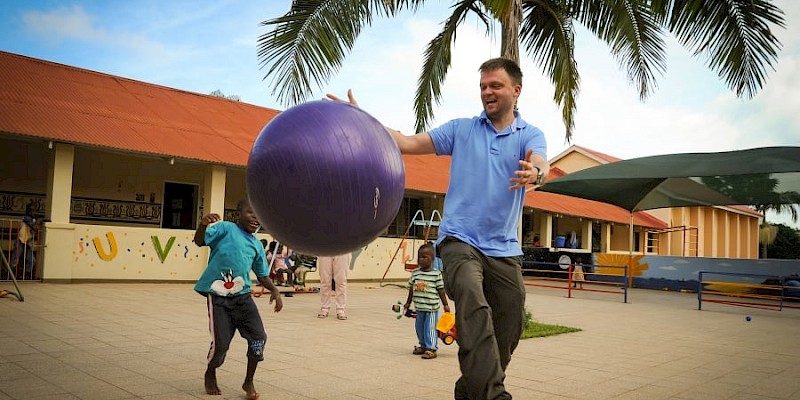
x,y
511,68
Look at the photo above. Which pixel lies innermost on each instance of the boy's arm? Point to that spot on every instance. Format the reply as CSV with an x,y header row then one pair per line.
x,y
443,296
200,233
410,295
275,295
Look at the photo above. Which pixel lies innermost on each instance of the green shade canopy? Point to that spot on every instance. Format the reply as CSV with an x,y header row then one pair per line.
x,y
760,176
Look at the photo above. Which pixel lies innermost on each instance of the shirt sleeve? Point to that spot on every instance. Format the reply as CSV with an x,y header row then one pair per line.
x,y
443,137
214,233
537,142
260,264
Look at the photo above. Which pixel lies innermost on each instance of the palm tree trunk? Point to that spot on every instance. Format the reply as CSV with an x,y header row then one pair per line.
x,y
509,24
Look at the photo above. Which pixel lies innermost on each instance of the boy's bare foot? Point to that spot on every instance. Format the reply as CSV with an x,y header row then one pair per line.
x,y
211,382
248,387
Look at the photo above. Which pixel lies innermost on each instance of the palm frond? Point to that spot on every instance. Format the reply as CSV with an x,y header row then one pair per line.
x,y
308,44
735,34
634,33
548,36
437,62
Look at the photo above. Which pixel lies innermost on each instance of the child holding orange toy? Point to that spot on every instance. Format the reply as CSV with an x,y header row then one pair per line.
x,y
426,289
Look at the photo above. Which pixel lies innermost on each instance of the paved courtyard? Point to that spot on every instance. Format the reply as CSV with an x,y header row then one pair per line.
x,y
149,341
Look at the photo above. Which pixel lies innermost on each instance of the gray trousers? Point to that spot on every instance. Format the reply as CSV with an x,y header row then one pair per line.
x,y
489,297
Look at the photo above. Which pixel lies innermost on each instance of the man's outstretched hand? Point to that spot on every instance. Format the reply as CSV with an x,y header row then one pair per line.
x,y
350,98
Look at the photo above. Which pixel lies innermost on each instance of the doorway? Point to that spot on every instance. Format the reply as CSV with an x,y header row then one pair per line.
x,y
180,206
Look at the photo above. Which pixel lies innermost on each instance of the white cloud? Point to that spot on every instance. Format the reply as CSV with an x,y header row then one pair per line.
x,y
75,24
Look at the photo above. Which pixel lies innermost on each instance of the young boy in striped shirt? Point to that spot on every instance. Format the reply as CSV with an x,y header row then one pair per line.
x,y
426,288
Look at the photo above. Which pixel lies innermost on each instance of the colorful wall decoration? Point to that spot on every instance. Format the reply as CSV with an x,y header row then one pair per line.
x,y
126,253
681,273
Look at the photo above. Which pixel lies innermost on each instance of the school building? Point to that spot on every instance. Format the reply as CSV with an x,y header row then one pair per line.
x,y
123,170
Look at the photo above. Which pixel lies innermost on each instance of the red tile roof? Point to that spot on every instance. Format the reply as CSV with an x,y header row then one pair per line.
x,y
427,173
603,156
62,103
590,209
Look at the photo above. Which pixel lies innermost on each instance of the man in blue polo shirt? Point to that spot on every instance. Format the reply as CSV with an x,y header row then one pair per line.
x,y
494,157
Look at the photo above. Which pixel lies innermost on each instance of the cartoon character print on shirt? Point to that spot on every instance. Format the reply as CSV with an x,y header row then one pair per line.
x,y
228,285
420,286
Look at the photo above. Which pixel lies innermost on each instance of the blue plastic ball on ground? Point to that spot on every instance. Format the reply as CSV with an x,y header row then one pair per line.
x,y
747,318
325,178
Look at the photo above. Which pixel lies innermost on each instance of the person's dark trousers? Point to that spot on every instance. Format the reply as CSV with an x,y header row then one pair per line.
x,y
489,297
226,316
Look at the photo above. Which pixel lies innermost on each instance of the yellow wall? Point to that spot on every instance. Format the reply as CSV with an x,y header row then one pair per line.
x,y
575,161
96,252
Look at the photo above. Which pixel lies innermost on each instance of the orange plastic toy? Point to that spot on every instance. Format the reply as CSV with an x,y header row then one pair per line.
x,y
446,328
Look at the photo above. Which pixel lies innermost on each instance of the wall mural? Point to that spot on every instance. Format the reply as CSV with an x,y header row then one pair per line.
x,y
112,243
104,252
681,273
162,253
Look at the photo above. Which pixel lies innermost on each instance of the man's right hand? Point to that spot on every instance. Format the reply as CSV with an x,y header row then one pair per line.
x,y
351,99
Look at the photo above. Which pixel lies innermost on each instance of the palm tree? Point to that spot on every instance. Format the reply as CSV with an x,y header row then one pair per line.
x,y
308,44
767,234
758,190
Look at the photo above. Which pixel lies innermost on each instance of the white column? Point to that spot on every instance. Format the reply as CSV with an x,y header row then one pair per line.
x,y
59,234
59,183
547,239
214,190
586,243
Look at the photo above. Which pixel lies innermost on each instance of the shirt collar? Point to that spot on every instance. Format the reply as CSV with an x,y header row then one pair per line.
x,y
516,125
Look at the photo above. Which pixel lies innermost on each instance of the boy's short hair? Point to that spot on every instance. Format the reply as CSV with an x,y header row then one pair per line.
x,y
242,203
426,246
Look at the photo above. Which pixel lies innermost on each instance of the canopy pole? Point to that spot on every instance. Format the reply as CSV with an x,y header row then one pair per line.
x,y
629,270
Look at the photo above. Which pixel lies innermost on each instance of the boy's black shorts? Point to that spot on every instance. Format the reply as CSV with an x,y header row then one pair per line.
x,y
227,314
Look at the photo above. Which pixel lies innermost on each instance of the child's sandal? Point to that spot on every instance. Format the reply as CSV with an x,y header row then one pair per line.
x,y
429,354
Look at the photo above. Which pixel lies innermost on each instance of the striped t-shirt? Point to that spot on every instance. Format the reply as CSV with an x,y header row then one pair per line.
x,y
426,285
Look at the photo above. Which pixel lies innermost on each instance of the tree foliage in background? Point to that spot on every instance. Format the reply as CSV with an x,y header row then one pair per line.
x,y
756,186
786,245
218,93
308,44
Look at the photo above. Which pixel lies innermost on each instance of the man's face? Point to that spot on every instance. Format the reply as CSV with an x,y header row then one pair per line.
x,y
248,220
498,93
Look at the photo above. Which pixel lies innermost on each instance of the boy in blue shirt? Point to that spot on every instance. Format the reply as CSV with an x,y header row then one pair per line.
x,y
235,251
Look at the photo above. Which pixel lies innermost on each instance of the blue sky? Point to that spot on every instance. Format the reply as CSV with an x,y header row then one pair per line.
x,y
204,45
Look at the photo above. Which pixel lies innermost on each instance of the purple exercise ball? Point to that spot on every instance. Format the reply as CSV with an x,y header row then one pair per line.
x,y
325,178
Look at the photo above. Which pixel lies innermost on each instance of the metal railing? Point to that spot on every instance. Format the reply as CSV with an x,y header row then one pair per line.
x,y
24,259
731,288
552,275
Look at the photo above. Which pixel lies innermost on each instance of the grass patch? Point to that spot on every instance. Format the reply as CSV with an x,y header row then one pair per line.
x,y
535,329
